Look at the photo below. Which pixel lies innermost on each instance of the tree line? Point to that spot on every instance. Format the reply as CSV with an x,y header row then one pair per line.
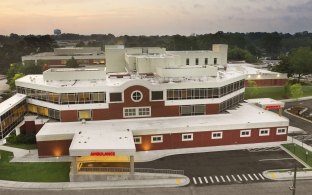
x,y
242,46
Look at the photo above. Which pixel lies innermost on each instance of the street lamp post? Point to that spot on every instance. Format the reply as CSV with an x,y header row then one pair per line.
x,y
293,187
306,153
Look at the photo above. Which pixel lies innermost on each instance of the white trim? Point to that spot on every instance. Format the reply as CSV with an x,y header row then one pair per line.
x,y
249,133
261,134
137,112
157,141
214,133
137,91
139,139
187,139
282,133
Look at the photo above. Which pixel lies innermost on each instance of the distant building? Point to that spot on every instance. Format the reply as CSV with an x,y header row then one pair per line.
x,y
262,77
85,56
57,32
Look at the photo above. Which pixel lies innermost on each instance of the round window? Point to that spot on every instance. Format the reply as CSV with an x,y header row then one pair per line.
x,y
136,96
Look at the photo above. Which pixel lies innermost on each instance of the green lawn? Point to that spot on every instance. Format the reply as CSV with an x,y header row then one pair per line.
x,y
275,92
32,172
23,146
300,152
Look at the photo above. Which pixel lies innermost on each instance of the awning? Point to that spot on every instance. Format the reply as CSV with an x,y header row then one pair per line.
x,y
102,143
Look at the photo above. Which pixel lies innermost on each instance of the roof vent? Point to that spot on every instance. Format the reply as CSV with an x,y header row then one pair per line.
x,y
83,121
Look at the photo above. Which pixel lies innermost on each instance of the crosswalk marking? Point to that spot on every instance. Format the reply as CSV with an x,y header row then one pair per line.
x,y
211,179
200,181
244,177
250,177
240,179
261,176
217,179
255,176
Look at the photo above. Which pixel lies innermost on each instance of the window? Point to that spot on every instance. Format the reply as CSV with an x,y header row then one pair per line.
x,y
215,60
280,131
84,114
187,137
196,61
157,139
157,95
206,61
137,140
264,132
128,112
136,96
245,133
186,110
216,135
187,61
115,97
137,112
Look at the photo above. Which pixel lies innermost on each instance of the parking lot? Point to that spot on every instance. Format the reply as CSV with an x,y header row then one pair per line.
x,y
227,167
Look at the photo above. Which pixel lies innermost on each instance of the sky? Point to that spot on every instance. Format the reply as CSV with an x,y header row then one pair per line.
x,y
154,17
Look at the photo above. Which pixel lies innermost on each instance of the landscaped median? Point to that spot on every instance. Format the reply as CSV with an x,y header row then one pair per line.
x,y
32,172
303,155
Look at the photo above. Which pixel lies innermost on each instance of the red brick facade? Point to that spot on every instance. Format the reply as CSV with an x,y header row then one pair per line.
x,y
173,141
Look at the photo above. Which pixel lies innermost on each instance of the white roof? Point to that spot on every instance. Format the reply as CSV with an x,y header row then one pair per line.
x,y
246,116
85,142
263,102
11,102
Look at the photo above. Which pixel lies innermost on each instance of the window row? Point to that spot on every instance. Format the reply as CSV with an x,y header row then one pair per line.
x,y
136,112
214,135
205,61
43,111
64,98
13,116
199,109
232,102
203,93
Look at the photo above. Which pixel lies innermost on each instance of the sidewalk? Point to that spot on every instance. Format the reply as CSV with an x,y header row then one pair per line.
x,y
299,99
16,151
147,183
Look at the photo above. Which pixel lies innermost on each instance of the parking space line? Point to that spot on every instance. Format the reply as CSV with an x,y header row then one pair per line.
x,y
240,179
261,176
211,179
256,176
244,177
233,177
222,178
228,178
205,178
250,177
200,181
194,180
217,179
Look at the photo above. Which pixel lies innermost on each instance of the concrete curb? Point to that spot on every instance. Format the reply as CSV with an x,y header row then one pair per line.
x,y
285,176
297,116
151,183
299,99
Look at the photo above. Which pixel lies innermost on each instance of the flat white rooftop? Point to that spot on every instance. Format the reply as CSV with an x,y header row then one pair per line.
x,y
99,142
11,102
246,116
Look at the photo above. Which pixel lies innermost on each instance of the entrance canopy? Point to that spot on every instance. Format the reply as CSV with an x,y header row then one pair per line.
x,y
102,143
267,103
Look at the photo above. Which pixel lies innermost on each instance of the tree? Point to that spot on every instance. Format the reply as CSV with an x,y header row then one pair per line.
x,y
301,61
12,82
72,63
296,91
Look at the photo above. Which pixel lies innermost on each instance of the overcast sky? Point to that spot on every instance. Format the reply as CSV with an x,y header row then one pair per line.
x,y
152,17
